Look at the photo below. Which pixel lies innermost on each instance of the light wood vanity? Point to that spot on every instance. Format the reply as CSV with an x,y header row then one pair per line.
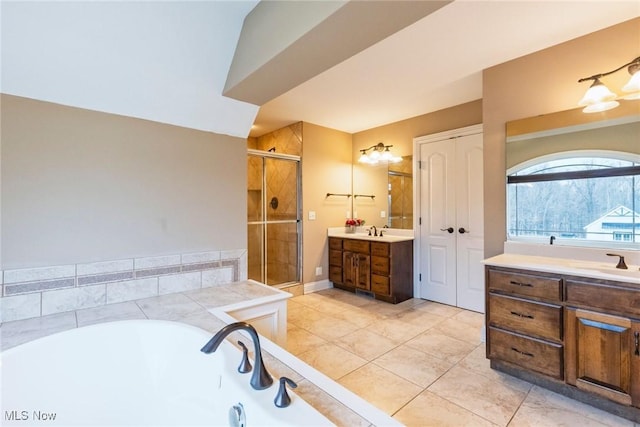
x,y
573,334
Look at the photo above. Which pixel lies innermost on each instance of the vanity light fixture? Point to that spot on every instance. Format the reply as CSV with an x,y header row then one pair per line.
x,y
378,153
600,98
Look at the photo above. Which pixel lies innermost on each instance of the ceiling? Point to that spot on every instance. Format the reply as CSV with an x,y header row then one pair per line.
x,y
437,62
168,61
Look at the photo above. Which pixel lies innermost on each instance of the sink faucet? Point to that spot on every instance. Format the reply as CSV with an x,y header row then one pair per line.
x,y
260,379
621,264
374,229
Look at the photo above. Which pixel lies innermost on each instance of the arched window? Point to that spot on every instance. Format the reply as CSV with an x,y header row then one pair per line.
x,y
587,198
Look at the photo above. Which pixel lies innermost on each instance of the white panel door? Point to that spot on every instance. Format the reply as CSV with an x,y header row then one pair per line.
x,y
469,223
451,230
437,212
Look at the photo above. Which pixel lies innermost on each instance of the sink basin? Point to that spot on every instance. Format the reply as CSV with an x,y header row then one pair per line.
x,y
365,236
633,271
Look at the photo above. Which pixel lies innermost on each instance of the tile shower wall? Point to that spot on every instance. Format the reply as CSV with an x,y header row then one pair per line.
x,y
282,239
34,292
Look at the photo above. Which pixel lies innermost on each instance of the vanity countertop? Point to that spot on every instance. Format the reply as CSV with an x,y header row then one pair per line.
x,y
362,233
363,236
573,267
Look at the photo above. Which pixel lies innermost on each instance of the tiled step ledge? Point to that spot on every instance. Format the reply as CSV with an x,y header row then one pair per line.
x,y
35,292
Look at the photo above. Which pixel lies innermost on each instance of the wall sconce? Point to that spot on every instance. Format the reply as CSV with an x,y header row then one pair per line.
x,y
600,98
378,153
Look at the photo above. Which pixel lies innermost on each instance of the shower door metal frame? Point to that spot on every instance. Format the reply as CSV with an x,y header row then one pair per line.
x,y
265,223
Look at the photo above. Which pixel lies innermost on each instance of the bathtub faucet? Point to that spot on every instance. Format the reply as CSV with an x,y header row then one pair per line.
x,y
260,379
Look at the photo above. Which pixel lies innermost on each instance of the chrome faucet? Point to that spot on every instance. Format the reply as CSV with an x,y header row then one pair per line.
x,y
260,379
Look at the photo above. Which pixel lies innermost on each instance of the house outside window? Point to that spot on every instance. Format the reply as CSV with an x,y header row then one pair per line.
x,y
580,199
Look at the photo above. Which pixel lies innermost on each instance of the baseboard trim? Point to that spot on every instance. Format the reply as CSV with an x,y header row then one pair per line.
x,y
317,286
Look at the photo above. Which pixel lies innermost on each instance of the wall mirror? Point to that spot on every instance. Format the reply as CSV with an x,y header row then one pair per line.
x,y
574,178
400,194
383,193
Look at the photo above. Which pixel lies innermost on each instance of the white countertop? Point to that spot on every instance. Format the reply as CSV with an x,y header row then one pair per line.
x,y
390,234
574,267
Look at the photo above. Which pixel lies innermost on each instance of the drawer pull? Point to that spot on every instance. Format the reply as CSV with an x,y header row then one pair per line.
x,y
637,340
528,285
527,316
524,353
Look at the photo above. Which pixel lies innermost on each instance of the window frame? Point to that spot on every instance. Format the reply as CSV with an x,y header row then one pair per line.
x,y
572,175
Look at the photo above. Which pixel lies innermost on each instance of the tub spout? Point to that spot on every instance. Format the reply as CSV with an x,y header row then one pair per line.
x,y
260,379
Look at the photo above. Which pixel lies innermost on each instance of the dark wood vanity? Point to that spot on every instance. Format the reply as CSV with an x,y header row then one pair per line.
x,y
574,335
383,269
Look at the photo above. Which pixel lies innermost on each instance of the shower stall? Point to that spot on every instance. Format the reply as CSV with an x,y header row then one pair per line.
x,y
274,218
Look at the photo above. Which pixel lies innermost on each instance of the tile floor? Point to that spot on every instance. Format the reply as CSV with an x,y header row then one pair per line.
x,y
423,363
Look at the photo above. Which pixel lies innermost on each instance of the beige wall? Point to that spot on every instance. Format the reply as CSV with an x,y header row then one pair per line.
x,y
623,137
541,83
82,186
373,179
326,168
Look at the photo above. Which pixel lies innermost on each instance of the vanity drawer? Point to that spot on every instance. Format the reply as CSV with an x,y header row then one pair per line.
x,y
528,317
335,243
605,296
529,353
379,265
335,274
526,284
380,285
335,257
361,246
380,249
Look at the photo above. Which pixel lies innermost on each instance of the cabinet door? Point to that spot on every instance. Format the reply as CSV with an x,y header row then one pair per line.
x,y
363,273
601,355
348,268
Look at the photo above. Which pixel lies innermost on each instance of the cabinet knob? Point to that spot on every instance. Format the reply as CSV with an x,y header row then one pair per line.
x,y
637,342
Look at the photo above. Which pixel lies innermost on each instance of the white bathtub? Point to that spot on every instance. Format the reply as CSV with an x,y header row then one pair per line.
x,y
135,373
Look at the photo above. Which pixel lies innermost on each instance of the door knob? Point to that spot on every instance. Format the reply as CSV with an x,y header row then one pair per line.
x,y
449,230
461,230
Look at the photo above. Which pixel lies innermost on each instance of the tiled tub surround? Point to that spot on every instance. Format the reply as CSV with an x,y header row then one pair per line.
x,y
195,307
34,292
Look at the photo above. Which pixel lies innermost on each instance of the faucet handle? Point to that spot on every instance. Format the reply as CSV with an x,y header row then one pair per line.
x,y
245,365
621,265
282,399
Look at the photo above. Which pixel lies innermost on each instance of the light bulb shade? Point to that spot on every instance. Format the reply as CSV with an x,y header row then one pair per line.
x,y
364,158
598,93
375,155
386,155
633,85
600,106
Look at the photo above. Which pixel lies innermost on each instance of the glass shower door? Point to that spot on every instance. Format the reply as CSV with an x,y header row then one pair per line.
x,y
273,208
